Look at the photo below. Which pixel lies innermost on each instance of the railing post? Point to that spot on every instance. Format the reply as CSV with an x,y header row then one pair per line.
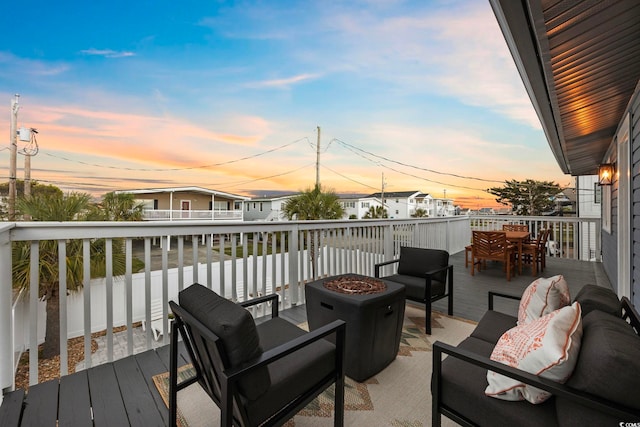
x,y
294,256
6,313
388,243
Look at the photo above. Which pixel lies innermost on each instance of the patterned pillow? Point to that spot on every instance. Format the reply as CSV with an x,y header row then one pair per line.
x,y
547,347
542,297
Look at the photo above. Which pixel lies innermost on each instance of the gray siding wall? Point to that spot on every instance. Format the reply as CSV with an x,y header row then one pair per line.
x,y
635,194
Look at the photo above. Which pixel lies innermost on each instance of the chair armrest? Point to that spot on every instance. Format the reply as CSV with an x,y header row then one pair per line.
x,y
259,300
493,294
551,386
439,270
337,326
377,266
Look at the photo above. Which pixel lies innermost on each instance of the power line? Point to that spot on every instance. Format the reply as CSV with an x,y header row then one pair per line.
x,y
347,145
181,168
349,179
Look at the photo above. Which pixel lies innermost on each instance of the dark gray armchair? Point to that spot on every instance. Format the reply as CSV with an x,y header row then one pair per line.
x,y
426,275
257,374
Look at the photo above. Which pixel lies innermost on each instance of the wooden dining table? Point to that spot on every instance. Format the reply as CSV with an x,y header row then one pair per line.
x,y
518,238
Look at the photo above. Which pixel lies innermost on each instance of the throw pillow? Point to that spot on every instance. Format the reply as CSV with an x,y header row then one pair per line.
x,y
547,347
542,297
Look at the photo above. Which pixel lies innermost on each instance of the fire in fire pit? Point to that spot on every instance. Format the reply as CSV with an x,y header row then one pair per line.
x,y
356,285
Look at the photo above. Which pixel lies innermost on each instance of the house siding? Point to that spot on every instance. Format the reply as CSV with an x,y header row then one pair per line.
x,y
635,195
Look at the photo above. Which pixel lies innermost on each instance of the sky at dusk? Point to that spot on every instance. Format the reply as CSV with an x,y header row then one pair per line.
x,y
228,96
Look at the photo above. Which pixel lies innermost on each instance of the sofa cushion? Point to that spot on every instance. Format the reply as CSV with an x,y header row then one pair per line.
x,y
462,389
542,297
492,325
547,347
608,367
235,328
418,261
593,297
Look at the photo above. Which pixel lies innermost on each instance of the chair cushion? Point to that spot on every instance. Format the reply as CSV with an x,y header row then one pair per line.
x,y
463,386
235,328
293,374
414,286
608,367
418,261
548,347
542,297
593,297
492,325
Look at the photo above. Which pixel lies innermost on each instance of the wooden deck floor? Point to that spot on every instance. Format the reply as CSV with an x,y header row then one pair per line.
x,y
123,393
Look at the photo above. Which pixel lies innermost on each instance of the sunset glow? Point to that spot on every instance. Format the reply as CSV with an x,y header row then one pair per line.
x,y
228,96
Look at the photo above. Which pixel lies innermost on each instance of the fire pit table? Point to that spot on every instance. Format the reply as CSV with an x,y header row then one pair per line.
x,y
373,310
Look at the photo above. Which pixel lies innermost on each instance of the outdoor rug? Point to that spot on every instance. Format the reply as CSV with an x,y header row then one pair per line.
x,y
398,396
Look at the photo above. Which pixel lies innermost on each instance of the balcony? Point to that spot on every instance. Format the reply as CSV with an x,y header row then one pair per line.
x,y
238,261
182,215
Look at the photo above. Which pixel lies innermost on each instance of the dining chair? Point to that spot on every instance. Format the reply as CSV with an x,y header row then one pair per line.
x,y
492,246
515,227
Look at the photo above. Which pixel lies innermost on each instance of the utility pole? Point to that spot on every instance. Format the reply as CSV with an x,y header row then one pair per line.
x,y
382,192
27,176
13,149
318,160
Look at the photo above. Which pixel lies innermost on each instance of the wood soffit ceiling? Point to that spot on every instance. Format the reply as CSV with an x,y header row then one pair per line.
x,y
588,53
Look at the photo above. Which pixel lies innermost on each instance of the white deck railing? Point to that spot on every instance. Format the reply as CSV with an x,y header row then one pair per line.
x,y
571,237
213,254
200,251
190,215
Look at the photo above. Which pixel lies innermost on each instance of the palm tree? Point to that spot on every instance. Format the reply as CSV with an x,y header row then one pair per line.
x,y
121,207
313,204
420,213
57,207
376,212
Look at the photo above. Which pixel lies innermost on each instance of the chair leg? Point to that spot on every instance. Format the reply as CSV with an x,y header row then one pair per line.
x,y
427,317
173,377
338,414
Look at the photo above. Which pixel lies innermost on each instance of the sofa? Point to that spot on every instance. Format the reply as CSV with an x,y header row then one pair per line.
x,y
600,389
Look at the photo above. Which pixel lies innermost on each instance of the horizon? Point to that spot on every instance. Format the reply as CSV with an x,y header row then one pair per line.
x,y
229,97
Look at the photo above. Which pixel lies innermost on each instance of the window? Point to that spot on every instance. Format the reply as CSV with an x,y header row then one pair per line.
x,y
365,204
606,208
260,206
597,193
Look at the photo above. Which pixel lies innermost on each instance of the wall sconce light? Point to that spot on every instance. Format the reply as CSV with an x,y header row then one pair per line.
x,y
605,174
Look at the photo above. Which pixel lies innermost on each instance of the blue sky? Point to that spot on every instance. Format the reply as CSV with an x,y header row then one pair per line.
x,y
228,95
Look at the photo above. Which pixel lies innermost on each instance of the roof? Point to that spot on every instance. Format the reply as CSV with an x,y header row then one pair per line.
x,y
580,64
183,190
398,194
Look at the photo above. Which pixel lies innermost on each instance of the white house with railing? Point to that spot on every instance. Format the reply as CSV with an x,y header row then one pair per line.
x,y
357,207
188,203
265,208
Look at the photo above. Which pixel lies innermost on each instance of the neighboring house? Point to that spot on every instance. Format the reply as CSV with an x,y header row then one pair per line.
x,y
358,206
265,208
443,207
580,66
589,205
486,211
188,203
403,204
